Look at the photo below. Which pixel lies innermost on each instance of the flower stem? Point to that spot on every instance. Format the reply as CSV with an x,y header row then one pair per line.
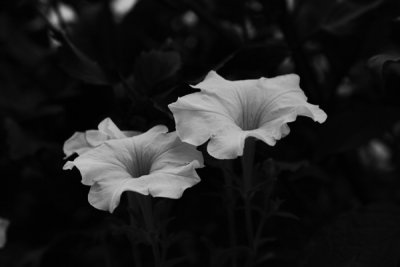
x,y
135,254
247,173
145,203
231,210
156,252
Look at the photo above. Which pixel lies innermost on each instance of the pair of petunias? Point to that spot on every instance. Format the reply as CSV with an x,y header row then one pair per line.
x,y
163,164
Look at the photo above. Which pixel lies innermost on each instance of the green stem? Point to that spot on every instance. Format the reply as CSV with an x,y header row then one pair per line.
x,y
259,230
247,173
135,254
145,203
156,252
231,210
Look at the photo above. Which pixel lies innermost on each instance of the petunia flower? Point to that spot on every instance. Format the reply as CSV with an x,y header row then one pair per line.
x,y
227,112
154,163
81,142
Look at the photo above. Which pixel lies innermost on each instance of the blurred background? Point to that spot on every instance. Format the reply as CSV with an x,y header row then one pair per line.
x,y
66,65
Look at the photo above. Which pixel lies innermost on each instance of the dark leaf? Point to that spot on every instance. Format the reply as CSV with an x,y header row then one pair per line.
x,y
347,14
175,262
369,237
274,167
266,257
77,64
21,143
382,62
222,256
266,241
260,59
387,65
287,215
154,67
135,234
352,128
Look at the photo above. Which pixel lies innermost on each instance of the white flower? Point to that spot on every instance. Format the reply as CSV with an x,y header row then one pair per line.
x,y
227,112
155,162
81,142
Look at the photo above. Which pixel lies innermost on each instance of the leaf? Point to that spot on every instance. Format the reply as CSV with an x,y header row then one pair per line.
x,y
154,67
174,262
259,59
18,101
274,167
266,241
162,212
265,257
20,143
380,62
77,64
220,256
352,128
135,234
369,237
287,215
347,14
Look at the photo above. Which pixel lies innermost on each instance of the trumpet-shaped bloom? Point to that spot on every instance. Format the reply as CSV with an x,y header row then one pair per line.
x,y
227,112
155,162
81,142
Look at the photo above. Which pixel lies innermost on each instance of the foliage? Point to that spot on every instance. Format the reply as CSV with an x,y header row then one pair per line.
x,y
332,190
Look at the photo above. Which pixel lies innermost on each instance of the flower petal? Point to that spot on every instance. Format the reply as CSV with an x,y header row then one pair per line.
x,y
171,182
112,159
228,143
108,127
195,111
233,95
154,162
227,112
105,194
168,150
82,142
212,81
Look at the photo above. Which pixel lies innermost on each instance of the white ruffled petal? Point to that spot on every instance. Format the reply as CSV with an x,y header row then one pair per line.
x,y
114,158
227,112
169,150
228,143
172,182
95,138
197,116
155,163
212,81
76,143
81,142
106,194
273,130
108,127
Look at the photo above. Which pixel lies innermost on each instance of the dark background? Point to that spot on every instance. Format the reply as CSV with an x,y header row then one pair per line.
x,y
336,185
